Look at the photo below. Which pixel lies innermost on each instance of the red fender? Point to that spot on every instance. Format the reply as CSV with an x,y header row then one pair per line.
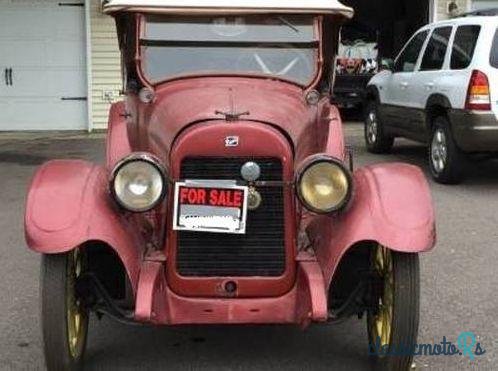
x,y
391,205
68,205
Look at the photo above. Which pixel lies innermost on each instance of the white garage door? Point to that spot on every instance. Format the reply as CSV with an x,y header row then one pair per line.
x,y
42,65
484,4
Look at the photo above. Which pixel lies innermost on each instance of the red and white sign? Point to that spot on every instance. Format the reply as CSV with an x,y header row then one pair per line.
x,y
210,207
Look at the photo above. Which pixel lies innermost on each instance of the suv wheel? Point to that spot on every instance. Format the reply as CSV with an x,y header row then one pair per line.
x,y
377,141
445,159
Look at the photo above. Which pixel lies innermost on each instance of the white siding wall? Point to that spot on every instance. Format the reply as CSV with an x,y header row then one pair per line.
x,y
106,75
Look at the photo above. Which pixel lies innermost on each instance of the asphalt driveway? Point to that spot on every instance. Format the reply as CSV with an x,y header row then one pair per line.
x,y
458,285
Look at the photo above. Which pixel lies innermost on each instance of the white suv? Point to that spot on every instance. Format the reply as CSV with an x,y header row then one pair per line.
x,y
442,90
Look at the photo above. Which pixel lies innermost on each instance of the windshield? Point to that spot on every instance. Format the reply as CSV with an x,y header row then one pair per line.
x,y
282,46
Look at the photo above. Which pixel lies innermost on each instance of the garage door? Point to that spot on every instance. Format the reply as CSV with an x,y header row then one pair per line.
x,y
42,65
485,4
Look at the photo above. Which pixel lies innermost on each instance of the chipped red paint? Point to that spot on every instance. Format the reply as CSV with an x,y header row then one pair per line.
x,y
255,138
117,144
391,205
306,302
68,205
182,103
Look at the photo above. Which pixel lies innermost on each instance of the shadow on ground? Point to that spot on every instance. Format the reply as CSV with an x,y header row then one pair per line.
x,y
229,348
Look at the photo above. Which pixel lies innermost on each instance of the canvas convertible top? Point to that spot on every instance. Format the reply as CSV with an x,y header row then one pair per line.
x,y
320,7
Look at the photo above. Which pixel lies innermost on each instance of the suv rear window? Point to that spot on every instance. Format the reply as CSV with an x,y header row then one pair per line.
x,y
464,46
493,60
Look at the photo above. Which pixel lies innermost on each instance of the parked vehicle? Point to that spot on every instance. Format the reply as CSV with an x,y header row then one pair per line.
x,y
226,197
375,35
443,91
357,62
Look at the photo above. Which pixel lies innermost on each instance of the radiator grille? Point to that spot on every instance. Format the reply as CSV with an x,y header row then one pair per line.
x,y
261,251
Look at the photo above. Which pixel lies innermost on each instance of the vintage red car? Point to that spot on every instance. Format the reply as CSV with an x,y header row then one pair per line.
x,y
228,195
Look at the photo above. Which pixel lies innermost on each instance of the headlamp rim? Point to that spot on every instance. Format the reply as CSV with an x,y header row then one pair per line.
x,y
139,157
315,160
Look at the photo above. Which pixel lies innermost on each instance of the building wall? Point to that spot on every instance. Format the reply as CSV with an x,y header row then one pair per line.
x,y
484,4
106,67
442,8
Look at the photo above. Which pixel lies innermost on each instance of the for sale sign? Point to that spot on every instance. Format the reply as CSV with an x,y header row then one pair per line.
x,y
216,207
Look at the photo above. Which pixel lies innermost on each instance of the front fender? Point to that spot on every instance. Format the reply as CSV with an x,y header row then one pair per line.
x,y
68,205
392,205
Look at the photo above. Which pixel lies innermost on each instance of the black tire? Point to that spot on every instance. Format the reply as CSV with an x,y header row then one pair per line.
x,y
446,161
405,314
54,288
376,139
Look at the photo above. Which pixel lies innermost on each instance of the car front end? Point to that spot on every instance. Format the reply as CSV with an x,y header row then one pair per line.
x,y
227,123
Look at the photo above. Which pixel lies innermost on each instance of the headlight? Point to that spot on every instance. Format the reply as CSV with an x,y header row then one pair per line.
x,y
138,182
324,185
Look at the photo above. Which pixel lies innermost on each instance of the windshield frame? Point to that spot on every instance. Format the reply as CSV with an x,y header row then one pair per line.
x,y
139,58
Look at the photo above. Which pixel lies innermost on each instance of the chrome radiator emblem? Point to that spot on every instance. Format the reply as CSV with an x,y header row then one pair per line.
x,y
232,141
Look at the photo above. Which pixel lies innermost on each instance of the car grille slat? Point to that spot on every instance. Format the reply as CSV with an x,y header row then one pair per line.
x,y
261,251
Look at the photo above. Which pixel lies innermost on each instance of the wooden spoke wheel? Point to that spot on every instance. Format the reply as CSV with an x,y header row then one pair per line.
x,y
64,317
394,321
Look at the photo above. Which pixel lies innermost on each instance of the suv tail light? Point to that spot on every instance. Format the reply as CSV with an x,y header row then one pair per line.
x,y
478,97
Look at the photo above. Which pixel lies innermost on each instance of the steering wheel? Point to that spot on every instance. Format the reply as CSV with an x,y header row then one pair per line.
x,y
268,71
288,60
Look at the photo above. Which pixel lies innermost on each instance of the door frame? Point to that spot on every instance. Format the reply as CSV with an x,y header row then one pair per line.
x,y
89,69
433,10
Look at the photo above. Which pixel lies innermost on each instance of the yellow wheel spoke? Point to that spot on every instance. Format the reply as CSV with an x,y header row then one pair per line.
x,y
382,322
75,313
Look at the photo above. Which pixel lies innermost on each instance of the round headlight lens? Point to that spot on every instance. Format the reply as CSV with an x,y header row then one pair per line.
x,y
324,186
138,185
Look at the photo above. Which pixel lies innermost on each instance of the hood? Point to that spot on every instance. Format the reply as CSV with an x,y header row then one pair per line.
x,y
183,103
